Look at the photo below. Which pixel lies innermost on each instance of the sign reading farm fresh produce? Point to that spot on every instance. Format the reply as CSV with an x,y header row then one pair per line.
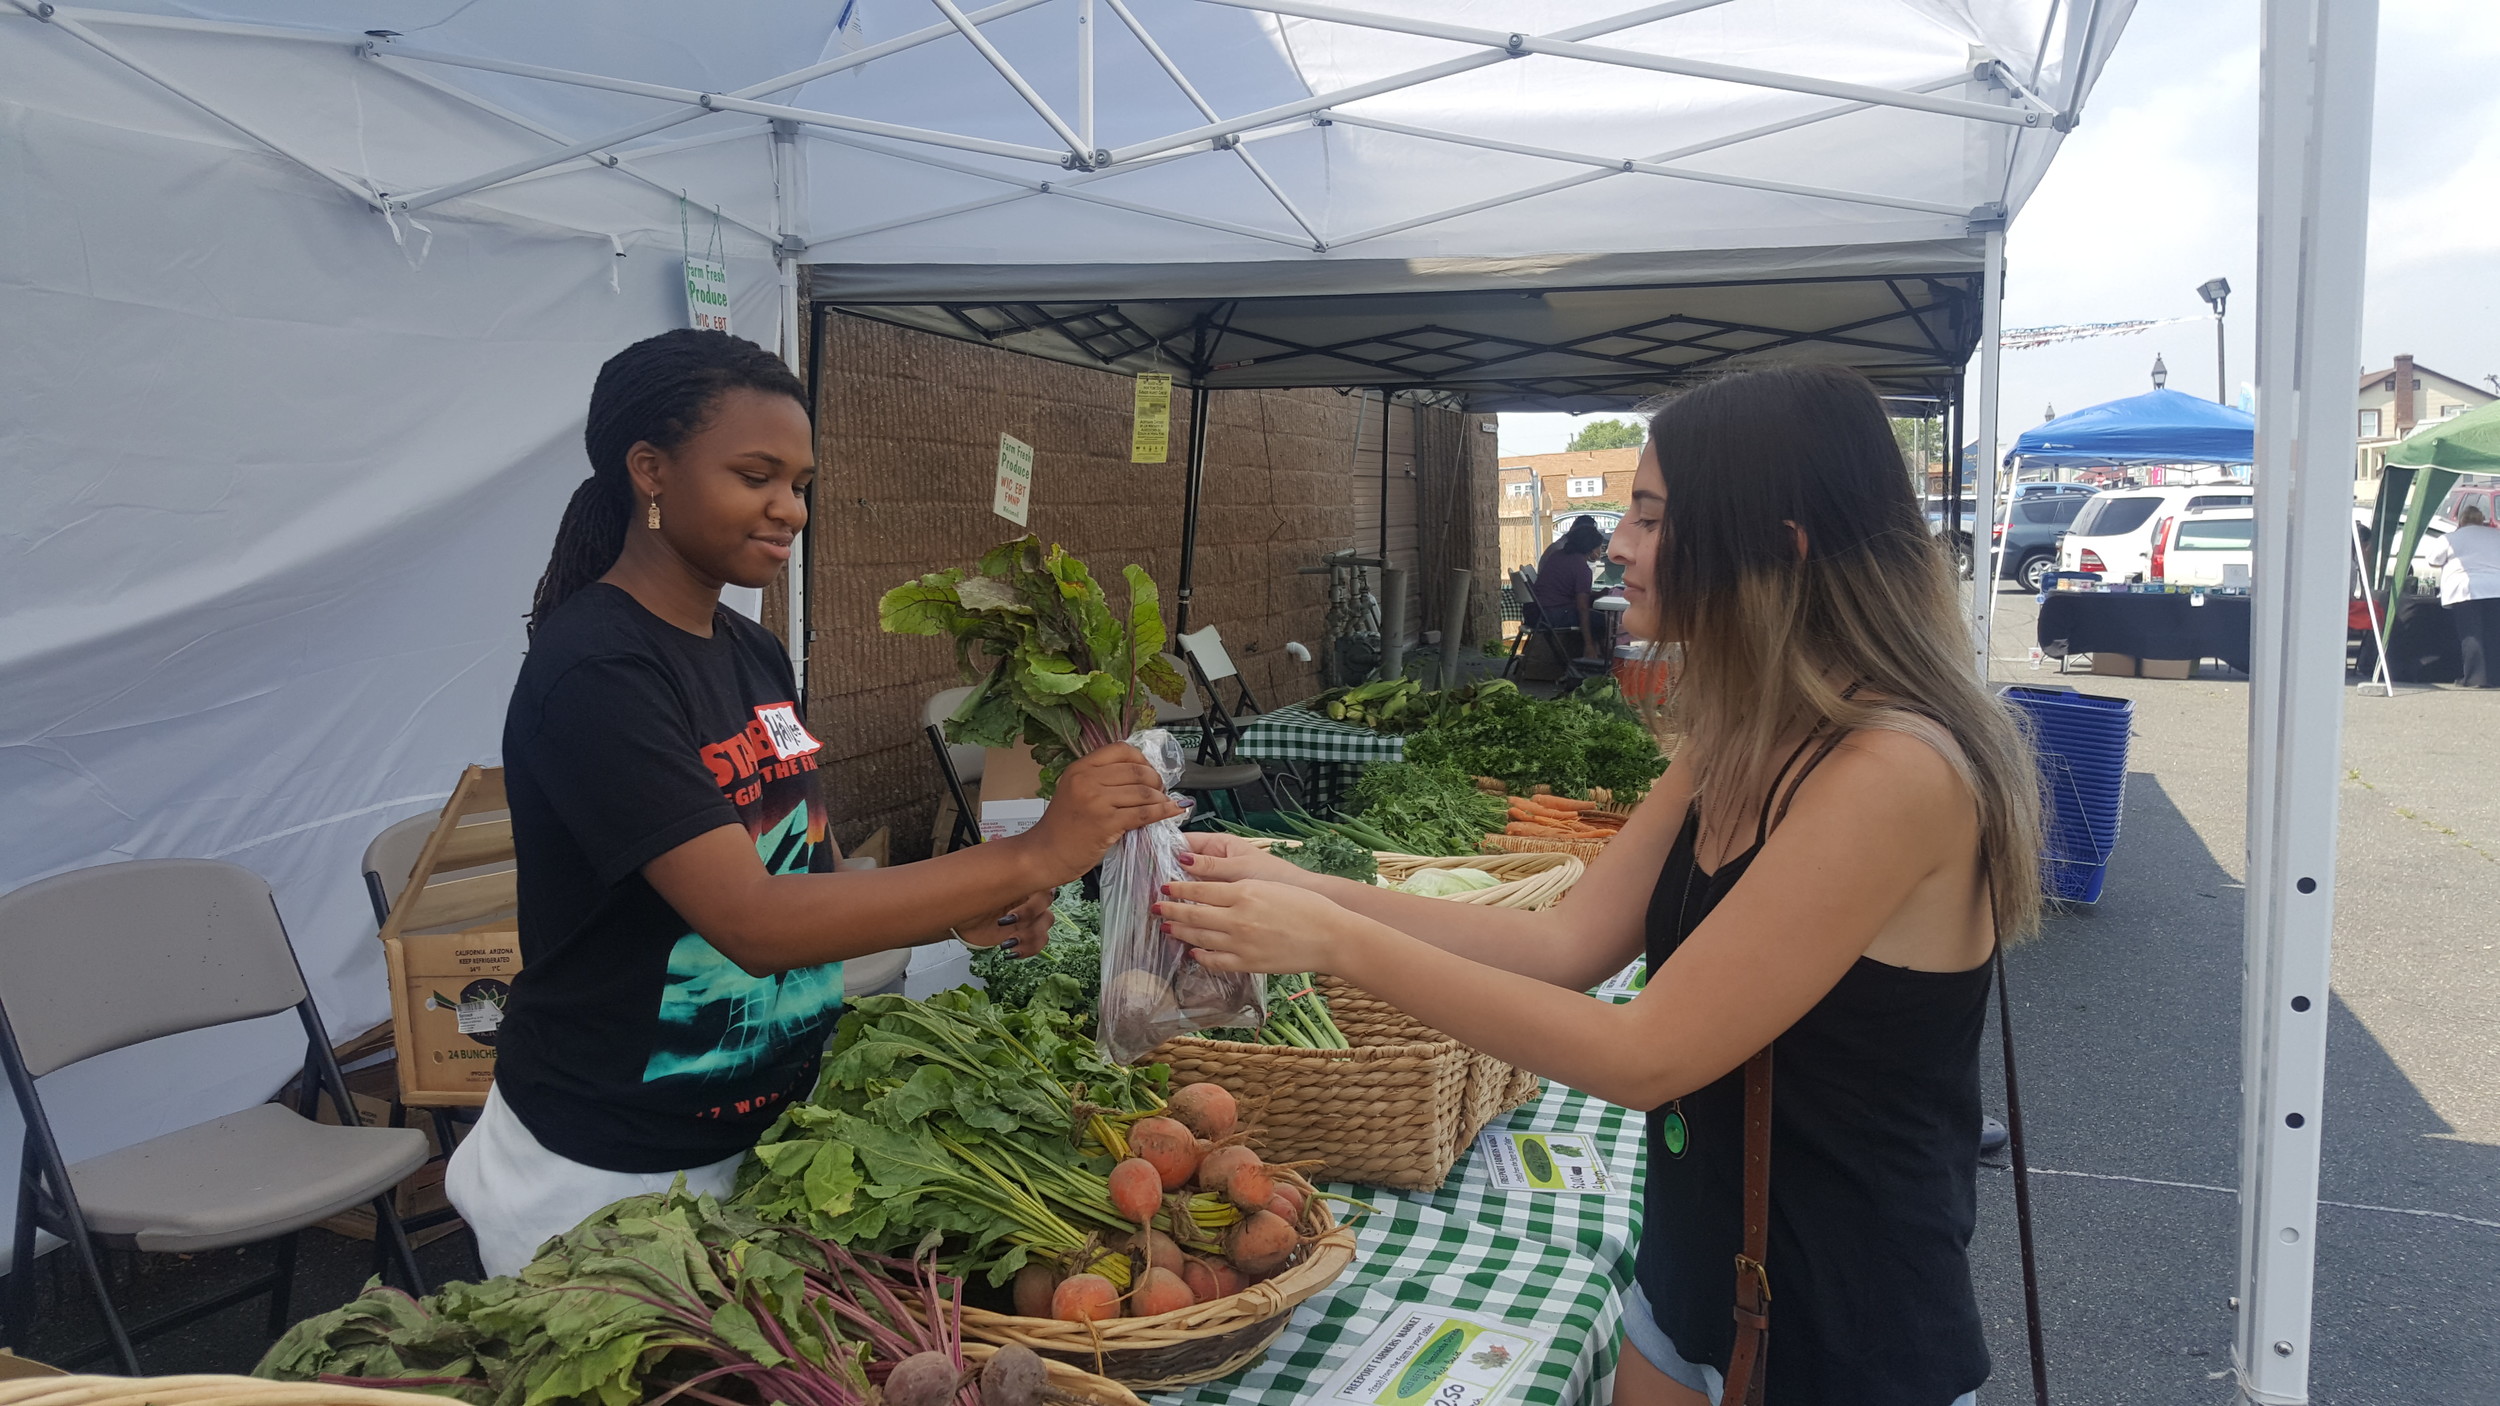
x,y
707,294
1013,498
1150,436
1421,1356
1564,1162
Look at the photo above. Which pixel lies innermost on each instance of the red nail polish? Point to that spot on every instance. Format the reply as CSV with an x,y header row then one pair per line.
x,y
1186,858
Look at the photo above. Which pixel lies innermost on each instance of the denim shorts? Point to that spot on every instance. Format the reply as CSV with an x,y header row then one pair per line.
x,y
1642,1334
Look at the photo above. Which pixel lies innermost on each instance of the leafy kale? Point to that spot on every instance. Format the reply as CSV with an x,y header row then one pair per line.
x,y
1586,738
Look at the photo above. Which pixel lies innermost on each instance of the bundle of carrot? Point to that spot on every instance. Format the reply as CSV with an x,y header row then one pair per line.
x,y
1560,818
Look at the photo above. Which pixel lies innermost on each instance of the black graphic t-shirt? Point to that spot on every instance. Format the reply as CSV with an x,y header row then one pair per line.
x,y
631,1044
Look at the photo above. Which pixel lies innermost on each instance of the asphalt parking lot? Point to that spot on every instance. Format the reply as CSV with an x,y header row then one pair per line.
x,y
2128,1026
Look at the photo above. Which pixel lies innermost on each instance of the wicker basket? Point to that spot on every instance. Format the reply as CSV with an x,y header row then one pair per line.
x,y
252,1391
1394,1111
1582,850
1528,880
1195,1344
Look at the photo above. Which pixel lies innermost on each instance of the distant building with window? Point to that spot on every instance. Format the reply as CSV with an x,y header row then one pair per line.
x,y
2398,401
1575,482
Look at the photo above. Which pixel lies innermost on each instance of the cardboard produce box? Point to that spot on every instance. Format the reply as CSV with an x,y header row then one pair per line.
x,y
2165,668
2114,664
451,989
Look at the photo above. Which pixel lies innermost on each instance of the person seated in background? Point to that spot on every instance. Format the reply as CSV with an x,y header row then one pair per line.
x,y
1566,585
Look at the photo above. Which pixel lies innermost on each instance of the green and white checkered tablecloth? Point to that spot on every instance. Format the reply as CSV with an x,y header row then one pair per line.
x,y
1299,734
1328,753
1411,1255
1604,1228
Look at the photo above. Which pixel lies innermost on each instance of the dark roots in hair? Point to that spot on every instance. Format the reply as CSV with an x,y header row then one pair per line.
x,y
659,391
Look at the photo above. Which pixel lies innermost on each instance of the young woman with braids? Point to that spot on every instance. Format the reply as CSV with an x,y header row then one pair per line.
x,y
1850,828
683,928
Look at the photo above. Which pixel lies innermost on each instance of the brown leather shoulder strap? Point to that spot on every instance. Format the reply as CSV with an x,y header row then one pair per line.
x,y
1746,1370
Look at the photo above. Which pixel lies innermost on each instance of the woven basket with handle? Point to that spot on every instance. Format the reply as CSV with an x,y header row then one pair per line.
x,y
1395,1111
1194,1344
252,1391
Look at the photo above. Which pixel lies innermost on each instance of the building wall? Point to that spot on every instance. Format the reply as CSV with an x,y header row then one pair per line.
x,y
2389,410
907,449
1521,545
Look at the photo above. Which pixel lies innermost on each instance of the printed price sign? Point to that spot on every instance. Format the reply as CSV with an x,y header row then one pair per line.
x,y
1627,982
1013,498
1150,437
707,294
1565,1162
1423,1357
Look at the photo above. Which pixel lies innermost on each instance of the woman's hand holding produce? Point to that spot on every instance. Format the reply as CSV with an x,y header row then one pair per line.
x,y
1101,796
1221,858
1255,925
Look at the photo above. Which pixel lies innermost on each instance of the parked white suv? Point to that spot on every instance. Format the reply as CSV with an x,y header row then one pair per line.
x,y
2113,536
2197,547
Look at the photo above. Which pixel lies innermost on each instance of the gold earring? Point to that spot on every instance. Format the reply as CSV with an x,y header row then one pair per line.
x,y
651,519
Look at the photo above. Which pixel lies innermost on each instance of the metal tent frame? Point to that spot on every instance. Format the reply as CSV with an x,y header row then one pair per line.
x,y
1504,321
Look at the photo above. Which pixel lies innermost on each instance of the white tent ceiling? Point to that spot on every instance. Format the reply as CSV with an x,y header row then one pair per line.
x,y
1110,183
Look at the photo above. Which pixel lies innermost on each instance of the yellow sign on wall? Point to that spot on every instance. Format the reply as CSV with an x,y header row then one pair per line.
x,y
1150,440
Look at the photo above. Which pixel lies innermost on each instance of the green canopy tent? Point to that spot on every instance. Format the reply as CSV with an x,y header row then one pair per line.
x,y
2418,475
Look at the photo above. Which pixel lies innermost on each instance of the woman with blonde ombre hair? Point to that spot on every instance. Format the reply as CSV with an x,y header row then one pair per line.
x,y
1850,828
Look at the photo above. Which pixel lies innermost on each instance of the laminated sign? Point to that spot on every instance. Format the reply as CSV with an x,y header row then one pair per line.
x,y
1013,499
1565,1162
1150,438
1426,1357
707,294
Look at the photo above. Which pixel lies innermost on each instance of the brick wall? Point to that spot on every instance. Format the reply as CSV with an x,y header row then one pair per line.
x,y
907,450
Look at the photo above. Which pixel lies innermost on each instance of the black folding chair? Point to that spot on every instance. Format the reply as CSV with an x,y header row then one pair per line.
x,y
1534,624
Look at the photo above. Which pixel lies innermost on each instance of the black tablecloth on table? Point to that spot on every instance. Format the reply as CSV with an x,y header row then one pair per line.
x,y
2148,626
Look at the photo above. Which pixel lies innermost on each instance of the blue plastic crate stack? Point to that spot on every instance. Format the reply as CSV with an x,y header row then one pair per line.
x,y
2082,740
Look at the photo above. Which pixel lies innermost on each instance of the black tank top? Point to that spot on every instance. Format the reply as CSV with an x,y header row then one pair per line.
x,y
1874,1158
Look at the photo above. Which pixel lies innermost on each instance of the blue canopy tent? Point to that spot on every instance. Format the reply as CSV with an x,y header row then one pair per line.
x,y
2158,427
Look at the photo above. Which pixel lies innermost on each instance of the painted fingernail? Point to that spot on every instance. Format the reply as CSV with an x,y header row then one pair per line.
x,y
1006,920
1186,858
1167,890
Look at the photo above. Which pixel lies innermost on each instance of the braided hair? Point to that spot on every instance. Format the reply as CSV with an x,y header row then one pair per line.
x,y
659,391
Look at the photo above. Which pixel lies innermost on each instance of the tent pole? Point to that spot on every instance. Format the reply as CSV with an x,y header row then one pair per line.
x,y
1387,399
2313,159
1983,586
1192,484
789,205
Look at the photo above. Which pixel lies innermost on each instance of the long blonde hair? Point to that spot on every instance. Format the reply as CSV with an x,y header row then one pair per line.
x,y
1773,639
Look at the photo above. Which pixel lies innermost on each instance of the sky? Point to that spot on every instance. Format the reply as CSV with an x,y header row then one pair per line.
x,y
2156,192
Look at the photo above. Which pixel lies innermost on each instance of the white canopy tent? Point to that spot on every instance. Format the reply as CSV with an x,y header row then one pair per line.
x,y
307,312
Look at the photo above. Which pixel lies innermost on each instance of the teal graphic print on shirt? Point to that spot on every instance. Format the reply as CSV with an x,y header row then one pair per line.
x,y
719,1021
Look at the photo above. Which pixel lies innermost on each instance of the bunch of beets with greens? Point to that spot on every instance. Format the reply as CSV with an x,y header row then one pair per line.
x,y
1074,954
1050,662
990,1128
664,1296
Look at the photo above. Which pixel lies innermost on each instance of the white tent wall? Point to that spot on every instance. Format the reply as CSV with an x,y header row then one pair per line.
x,y
278,489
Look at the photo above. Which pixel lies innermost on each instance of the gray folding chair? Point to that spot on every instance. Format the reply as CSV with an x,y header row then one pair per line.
x,y
100,959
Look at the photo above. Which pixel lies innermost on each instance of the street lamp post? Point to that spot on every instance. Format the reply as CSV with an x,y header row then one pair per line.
x,y
2161,373
2216,292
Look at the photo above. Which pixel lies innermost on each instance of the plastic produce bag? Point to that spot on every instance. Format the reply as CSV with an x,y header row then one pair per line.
x,y
1152,989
